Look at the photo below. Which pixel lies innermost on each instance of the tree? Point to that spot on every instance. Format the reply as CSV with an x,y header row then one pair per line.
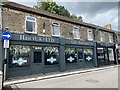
x,y
53,7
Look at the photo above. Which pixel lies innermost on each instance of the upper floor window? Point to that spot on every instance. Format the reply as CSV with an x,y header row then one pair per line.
x,y
76,33
30,24
111,38
101,36
90,35
56,29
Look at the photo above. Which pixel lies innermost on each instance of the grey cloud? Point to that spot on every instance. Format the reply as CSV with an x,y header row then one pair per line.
x,y
91,8
100,13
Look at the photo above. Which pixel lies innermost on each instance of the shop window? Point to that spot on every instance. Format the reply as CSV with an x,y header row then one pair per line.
x,y
51,55
111,38
19,56
30,24
111,54
88,55
76,33
101,36
90,35
70,55
55,29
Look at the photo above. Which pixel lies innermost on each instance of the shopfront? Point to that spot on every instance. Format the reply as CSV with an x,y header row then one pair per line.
x,y
105,54
30,54
79,54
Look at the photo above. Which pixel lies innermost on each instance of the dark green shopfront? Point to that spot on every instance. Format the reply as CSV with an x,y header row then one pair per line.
x,y
30,54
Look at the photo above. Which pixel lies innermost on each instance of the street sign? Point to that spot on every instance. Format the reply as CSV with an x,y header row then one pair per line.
x,y
6,35
6,43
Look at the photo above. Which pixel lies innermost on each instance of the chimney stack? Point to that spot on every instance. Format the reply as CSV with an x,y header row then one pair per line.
x,y
108,26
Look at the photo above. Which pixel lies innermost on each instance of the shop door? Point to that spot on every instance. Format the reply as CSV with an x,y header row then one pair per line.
x,y
118,55
111,56
80,58
101,56
37,67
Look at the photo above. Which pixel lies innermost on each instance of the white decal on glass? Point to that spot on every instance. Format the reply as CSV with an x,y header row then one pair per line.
x,y
20,61
51,60
70,59
88,58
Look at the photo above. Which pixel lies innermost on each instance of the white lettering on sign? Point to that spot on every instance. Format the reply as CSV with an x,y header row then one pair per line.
x,y
35,38
6,43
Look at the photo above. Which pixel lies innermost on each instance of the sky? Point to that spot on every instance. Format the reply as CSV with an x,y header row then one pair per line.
x,y
96,12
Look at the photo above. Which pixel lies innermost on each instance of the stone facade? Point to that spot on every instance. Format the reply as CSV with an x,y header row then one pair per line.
x,y
15,20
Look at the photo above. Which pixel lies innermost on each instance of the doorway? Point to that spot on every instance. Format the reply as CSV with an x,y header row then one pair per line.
x,y
37,66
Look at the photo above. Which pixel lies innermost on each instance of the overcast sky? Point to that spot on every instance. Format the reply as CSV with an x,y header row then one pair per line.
x,y
99,13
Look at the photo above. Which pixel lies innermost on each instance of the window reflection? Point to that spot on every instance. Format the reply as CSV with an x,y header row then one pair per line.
x,y
51,55
88,54
70,55
19,56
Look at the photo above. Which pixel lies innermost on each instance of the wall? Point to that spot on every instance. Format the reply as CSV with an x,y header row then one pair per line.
x,y
16,21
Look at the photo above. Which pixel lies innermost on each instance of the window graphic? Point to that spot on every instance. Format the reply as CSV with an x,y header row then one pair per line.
x,y
88,54
70,55
51,55
19,56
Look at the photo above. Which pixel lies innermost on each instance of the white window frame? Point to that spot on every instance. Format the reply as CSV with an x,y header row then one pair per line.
x,y
35,31
111,38
55,24
101,36
88,33
75,28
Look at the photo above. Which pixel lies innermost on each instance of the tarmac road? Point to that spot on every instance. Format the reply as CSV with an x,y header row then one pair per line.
x,y
107,78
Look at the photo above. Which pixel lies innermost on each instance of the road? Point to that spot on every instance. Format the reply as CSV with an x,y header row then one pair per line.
x,y
97,79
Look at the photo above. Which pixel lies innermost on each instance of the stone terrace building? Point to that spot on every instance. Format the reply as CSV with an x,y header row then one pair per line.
x,y
43,42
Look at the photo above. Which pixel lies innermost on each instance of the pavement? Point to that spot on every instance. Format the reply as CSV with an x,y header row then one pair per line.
x,y
61,74
107,78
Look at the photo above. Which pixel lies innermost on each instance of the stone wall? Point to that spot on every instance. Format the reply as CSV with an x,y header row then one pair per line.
x,y
16,21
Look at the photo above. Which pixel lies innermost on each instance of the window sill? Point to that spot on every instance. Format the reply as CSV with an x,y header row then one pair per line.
x,y
30,32
76,38
56,35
